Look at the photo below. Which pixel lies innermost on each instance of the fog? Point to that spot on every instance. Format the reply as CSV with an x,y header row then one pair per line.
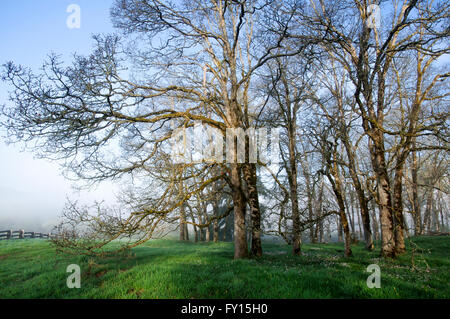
x,y
33,191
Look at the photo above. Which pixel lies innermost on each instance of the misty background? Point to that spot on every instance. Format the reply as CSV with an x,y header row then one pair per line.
x,y
33,191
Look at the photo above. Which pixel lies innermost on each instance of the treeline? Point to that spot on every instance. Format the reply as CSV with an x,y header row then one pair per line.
x,y
360,101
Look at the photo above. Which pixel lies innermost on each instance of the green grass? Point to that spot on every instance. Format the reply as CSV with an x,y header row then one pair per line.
x,y
172,269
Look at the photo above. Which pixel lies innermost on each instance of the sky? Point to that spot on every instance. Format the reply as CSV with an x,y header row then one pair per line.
x,y
33,191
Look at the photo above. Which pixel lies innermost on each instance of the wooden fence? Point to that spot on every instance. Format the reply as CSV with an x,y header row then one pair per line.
x,y
21,234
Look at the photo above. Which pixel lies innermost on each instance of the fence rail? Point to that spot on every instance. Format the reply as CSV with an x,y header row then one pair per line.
x,y
22,234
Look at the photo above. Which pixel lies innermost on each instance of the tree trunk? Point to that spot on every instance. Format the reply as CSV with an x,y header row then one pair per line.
x,y
435,215
201,230
415,194
349,209
293,189
319,209
363,205
373,215
328,232
384,194
352,207
227,233
216,231
206,230
428,208
225,229
441,212
337,189
311,229
340,231
399,224
216,221
387,235
207,234
297,236
182,223
309,195
240,233
195,234
186,232
360,232
346,228
365,216
255,212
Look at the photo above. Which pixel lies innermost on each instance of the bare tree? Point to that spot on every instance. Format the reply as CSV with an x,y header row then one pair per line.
x,y
367,54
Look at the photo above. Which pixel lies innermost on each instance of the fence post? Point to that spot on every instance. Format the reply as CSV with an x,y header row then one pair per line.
x,y
21,234
32,234
9,234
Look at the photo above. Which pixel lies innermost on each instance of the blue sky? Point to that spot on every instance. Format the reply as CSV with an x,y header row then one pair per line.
x,y
33,191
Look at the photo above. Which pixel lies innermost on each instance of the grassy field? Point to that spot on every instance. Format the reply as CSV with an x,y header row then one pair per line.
x,y
171,269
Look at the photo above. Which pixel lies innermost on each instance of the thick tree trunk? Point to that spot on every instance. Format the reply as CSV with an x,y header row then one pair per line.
x,y
236,119
240,233
384,194
372,123
255,212
386,218
365,216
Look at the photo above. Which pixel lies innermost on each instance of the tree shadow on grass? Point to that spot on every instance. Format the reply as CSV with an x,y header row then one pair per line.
x,y
204,272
